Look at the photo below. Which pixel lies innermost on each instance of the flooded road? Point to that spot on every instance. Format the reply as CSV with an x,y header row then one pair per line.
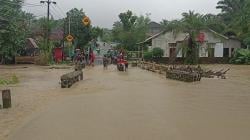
x,y
140,105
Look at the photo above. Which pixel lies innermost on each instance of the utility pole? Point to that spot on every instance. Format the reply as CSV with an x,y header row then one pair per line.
x,y
48,2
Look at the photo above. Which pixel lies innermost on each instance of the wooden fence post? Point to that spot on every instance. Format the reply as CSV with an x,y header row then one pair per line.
x,y
6,97
81,76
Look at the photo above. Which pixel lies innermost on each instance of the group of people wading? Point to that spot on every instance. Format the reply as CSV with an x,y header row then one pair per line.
x,y
119,60
82,58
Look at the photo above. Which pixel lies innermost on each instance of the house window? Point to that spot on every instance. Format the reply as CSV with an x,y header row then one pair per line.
x,y
226,52
211,52
172,45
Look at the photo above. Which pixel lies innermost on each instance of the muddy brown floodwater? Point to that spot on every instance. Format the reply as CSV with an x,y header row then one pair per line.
x,y
135,105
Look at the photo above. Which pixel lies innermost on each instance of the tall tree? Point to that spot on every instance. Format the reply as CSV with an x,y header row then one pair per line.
x,y
128,20
192,23
81,33
14,29
130,30
236,15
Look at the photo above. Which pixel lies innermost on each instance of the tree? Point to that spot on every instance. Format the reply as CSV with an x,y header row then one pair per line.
x,y
81,33
174,25
236,15
214,22
193,23
128,20
130,30
107,35
230,6
14,29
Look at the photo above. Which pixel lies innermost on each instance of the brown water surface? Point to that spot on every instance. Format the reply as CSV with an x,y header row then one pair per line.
x,y
140,105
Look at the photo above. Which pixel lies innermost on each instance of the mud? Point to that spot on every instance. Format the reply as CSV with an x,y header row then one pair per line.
x,y
133,105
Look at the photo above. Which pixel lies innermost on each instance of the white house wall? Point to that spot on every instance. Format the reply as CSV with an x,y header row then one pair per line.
x,y
160,42
211,37
232,44
163,40
215,41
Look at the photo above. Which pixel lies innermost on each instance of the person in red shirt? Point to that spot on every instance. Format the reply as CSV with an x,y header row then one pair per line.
x,y
92,58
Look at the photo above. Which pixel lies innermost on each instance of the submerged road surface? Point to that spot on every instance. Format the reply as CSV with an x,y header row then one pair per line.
x,y
140,105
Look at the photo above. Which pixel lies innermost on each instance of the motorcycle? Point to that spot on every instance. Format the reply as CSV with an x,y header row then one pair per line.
x,y
122,65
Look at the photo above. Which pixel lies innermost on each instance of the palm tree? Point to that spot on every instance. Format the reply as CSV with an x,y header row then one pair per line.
x,y
236,15
193,23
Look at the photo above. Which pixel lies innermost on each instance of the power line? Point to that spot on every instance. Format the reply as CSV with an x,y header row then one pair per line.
x,y
61,9
48,2
32,5
22,3
56,11
52,13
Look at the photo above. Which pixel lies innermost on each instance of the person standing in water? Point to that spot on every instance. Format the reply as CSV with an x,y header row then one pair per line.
x,y
105,62
92,58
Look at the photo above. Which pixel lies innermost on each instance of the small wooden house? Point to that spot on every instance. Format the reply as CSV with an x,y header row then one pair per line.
x,y
29,53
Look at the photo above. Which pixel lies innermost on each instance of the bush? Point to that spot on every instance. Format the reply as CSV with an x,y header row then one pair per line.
x,y
241,56
148,55
43,59
157,52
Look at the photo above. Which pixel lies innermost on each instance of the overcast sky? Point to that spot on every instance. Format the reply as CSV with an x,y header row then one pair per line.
x,y
104,13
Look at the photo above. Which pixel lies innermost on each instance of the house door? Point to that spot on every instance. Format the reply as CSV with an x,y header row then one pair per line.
x,y
172,52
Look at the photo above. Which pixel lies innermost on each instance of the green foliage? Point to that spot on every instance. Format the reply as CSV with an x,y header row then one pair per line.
x,y
236,16
128,20
192,23
241,56
130,30
14,24
45,56
97,32
107,35
81,33
148,55
157,52
154,53
15,79
9,81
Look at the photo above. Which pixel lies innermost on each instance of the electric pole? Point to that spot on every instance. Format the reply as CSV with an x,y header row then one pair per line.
x,y
48,2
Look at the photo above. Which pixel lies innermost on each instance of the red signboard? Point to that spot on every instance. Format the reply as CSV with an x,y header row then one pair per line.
x,y
58,54
201,37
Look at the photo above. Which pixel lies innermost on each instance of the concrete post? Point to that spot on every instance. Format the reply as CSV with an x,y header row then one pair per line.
x,y
6,97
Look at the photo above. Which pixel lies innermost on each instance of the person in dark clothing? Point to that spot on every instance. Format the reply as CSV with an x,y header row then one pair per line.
x,y
105,62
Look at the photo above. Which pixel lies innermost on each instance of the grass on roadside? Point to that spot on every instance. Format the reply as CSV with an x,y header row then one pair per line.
x,y
10,80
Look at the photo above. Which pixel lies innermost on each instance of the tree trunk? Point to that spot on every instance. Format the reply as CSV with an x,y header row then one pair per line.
x,y
191,52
